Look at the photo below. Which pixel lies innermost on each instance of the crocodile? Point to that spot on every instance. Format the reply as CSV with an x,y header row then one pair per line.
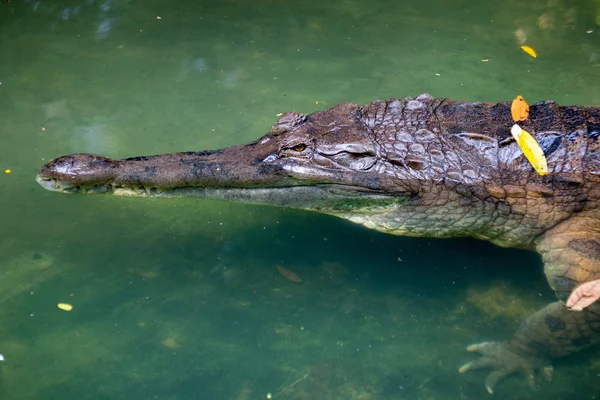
x,y
422,166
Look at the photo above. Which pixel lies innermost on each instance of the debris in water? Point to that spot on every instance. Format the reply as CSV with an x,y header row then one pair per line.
x,y
65,306
289,275
529,51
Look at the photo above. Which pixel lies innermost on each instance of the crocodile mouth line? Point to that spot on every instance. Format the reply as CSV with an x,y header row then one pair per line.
x,y
328,198
55,185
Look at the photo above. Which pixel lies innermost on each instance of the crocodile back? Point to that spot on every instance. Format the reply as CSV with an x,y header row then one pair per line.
x,y
461,156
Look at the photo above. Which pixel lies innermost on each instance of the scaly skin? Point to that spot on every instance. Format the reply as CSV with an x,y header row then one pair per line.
x,y
419,167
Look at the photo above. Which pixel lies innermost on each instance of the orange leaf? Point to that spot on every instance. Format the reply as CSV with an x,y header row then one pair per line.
x,y
584,295
519,109
289,275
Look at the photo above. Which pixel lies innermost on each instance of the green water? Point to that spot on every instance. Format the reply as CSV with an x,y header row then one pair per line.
x,y
181,299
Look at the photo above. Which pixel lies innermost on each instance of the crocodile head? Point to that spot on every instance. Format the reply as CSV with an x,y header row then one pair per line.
x,y
327,162
413,166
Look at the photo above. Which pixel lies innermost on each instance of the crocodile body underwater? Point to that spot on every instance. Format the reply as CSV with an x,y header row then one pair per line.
x,y
419,166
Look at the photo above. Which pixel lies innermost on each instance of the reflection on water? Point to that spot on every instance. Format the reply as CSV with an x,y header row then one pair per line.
x,y
104,28
182,299
71,13
100,135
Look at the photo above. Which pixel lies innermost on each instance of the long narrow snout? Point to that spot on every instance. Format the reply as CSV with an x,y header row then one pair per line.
x,y
219,168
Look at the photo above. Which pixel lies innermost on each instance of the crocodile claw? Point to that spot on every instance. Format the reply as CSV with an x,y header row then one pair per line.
x,y
503,361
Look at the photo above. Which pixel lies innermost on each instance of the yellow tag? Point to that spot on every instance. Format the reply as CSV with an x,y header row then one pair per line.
x,y
529,51
7,171
531,149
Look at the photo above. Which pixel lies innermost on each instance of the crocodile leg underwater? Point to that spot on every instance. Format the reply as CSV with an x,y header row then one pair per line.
x,y
413,166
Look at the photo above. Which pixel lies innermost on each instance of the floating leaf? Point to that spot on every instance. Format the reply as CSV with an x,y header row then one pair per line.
x,y
289,275
529,51
519,109
584,295
531,149
65,306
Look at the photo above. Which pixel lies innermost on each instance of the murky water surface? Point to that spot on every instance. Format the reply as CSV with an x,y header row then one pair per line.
x,y
181,299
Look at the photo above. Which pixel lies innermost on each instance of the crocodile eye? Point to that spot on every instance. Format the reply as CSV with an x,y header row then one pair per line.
x,y
299,147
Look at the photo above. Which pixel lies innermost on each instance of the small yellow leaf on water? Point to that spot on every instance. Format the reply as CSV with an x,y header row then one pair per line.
x,y
529,51
65,306
531,149
7,171
519,109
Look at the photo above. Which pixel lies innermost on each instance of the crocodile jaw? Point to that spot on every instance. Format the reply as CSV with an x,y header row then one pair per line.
x,y
221,175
